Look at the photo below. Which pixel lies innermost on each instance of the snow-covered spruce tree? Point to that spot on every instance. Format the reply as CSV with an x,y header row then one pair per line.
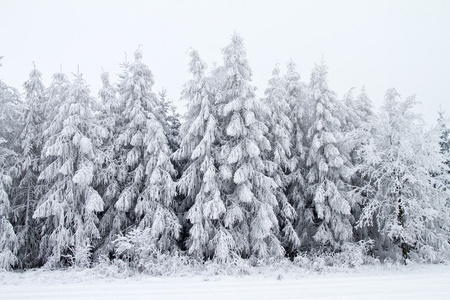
x,y
280,136
105,180
299,114
199,182
249,226
407,188
70,204
328,167
146,170
9,114
171,124
9,243
28,190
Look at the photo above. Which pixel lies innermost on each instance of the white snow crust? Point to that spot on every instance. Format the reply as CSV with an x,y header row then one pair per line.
x,y
371,282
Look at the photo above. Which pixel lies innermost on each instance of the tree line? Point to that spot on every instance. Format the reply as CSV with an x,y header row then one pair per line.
x,y
297,171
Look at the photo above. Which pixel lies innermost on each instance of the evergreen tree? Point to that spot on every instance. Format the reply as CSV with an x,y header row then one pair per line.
x,y
249,226
199,181
8,240
70,204
280,136
327,165
10,108
407,188
146,171
106,178
299,114
28,190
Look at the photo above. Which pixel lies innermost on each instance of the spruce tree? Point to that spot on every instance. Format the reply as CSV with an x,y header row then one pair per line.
x,y
10,108
9,243
299,114
106,178
281,139
146,170
29,191
70,204
249,226
199,181
328,166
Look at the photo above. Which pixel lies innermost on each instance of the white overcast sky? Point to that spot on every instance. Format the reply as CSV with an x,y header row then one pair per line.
x,y
379,44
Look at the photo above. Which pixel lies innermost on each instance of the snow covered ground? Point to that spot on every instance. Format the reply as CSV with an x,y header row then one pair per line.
x,y
375,282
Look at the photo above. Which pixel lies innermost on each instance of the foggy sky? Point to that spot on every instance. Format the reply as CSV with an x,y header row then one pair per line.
x,y
379,44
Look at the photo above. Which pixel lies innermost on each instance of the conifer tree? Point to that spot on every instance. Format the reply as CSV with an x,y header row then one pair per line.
x,y
299,114
327,165
407,187
146,171
29,191
199,181
106,178
280,136
70,204
249,226
9,129
8,240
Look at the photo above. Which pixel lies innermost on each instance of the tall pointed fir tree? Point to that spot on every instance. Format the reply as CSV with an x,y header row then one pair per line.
x,y
408,196
146,170
106,178
29,191
9,243
249,226
9,113
280,136
199,181
171,124
70,204
299,114
328,167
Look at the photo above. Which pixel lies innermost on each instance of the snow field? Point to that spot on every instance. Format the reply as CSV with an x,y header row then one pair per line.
x,y
375,282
